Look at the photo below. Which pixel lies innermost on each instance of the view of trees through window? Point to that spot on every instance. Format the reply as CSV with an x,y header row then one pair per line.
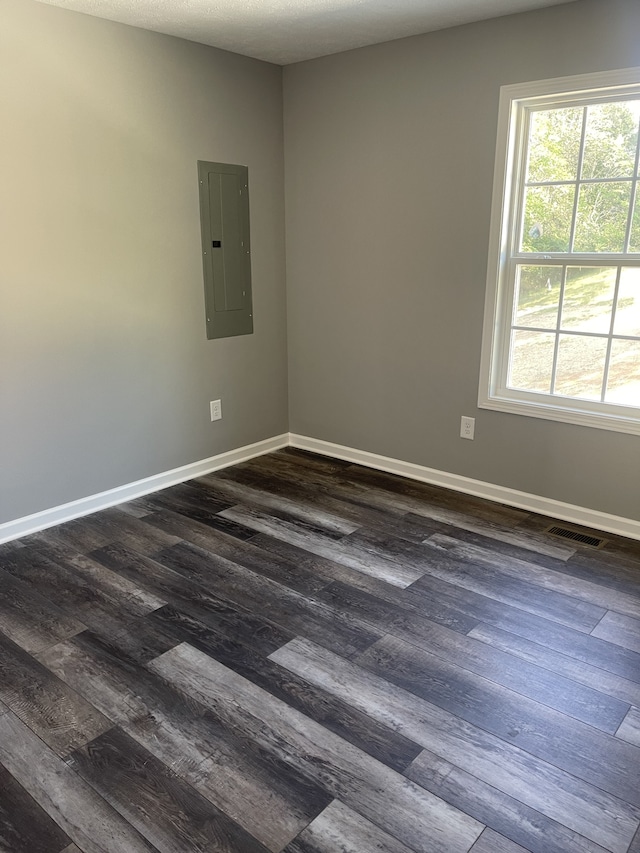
x,y
576,310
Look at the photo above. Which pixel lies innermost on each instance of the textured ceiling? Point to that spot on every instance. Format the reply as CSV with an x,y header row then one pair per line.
x,y
286,31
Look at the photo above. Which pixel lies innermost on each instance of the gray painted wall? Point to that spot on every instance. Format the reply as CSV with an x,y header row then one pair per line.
x,y
389,155
105,370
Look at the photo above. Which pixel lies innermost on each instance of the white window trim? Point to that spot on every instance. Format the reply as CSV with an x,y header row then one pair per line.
x,y
494,337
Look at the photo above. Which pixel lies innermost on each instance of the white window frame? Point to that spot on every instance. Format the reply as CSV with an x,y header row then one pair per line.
x,y
507,193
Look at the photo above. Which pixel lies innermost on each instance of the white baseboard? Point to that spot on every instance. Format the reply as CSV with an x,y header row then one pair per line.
x,y
93,503
523,500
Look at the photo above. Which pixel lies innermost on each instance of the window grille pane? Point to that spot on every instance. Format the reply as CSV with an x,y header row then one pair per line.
x,y
554,144
634,240
580,367
538,297
611,140
627,320
531,363
603,211
588,299
547,219
623,384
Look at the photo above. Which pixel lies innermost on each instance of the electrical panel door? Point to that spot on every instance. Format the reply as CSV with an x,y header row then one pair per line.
x,y
226,252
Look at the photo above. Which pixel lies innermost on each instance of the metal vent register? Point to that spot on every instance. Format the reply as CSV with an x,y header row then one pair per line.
x,y
576,536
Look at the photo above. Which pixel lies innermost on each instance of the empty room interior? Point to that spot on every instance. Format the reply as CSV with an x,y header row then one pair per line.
x,y
320,532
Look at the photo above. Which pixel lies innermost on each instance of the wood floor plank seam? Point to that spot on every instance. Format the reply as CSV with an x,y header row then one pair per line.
x,y
405,812
579,671
494,670
554,738
81,813
339,717
577,588
164,808
502,813
598,653
180,733
469,746
282,607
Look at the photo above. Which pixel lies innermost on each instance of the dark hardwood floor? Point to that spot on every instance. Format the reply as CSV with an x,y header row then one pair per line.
x,y
299,654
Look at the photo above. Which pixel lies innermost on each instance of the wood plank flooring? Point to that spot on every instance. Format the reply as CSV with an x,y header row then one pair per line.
x,y
301,655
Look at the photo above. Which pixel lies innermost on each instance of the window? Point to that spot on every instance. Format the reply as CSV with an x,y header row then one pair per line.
x,y
562,320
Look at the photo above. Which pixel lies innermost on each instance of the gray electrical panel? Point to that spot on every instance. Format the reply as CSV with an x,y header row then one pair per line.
x,y
226,255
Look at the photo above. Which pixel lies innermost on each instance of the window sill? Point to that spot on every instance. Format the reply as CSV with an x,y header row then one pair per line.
x,y
581,417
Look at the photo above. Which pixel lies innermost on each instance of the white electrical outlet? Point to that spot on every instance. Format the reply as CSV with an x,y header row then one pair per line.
x,y
216,410
467,427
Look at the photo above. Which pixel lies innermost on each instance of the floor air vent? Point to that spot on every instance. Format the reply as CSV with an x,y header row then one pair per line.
x,y
576,536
